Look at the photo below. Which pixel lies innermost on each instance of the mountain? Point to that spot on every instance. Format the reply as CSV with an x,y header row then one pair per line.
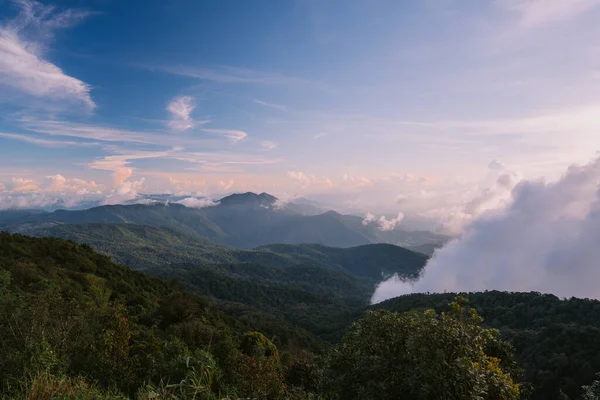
x,y
15,215
243,220
426,248
142,247
174,216
312,286
248,199
374,261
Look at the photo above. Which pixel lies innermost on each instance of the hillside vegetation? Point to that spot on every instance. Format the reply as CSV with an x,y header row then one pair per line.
x,y
312,286
76,325
140,247
557,342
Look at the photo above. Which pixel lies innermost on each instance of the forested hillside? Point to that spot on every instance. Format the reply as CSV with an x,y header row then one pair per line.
x,y
76,325
74,320
141,246
557,341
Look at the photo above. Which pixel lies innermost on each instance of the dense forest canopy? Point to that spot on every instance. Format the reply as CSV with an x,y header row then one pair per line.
x,y
78,324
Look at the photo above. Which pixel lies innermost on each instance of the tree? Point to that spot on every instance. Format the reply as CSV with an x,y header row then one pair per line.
x,y
258,368
421,356
592,392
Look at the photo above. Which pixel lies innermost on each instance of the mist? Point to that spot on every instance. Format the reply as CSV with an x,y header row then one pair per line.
x,y
545,238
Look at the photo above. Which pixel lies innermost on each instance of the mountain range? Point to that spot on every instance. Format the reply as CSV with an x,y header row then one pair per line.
x,y
245,220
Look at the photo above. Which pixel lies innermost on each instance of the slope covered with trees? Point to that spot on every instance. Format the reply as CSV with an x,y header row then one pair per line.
x,y
76,325
140,247
556,341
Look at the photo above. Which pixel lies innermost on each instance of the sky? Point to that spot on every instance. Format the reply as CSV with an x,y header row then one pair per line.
x,y
431,108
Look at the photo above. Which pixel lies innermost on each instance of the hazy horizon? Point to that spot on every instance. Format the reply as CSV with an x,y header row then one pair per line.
x,y
432,109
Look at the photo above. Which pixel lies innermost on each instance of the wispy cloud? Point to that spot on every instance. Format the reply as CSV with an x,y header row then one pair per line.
x,y
233,135
91,132
180,109
300,177
119,164
538,13
268,145
234,75
44,142
22,65
271,105
217,162
308,180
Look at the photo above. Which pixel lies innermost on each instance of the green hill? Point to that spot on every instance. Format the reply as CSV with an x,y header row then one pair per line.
x,y
67,312
311,297
373,261
312,286
557,341
149,247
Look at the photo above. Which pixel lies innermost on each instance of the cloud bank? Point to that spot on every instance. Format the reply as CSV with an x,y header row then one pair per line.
x,y
545,239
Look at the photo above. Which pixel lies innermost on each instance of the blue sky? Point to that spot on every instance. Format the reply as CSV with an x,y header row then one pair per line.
x,y
388,106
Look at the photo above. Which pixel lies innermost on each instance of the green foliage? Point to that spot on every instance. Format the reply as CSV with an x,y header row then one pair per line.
x,y
198,382
68,311
419,355
555,341
312,298
258,371
141,247
45,386
78,324
592,392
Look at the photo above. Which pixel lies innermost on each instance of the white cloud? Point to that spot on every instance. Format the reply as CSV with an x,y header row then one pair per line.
x,y
300,177
146,202
545,240
369,217
23,185
231,134
60,184
196,202
180,109
22,65
119,164
356,181
54,190
268,145
464,206
126,191
383,224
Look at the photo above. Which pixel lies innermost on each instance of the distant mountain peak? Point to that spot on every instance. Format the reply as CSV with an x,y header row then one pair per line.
x,y
332,213
249,199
